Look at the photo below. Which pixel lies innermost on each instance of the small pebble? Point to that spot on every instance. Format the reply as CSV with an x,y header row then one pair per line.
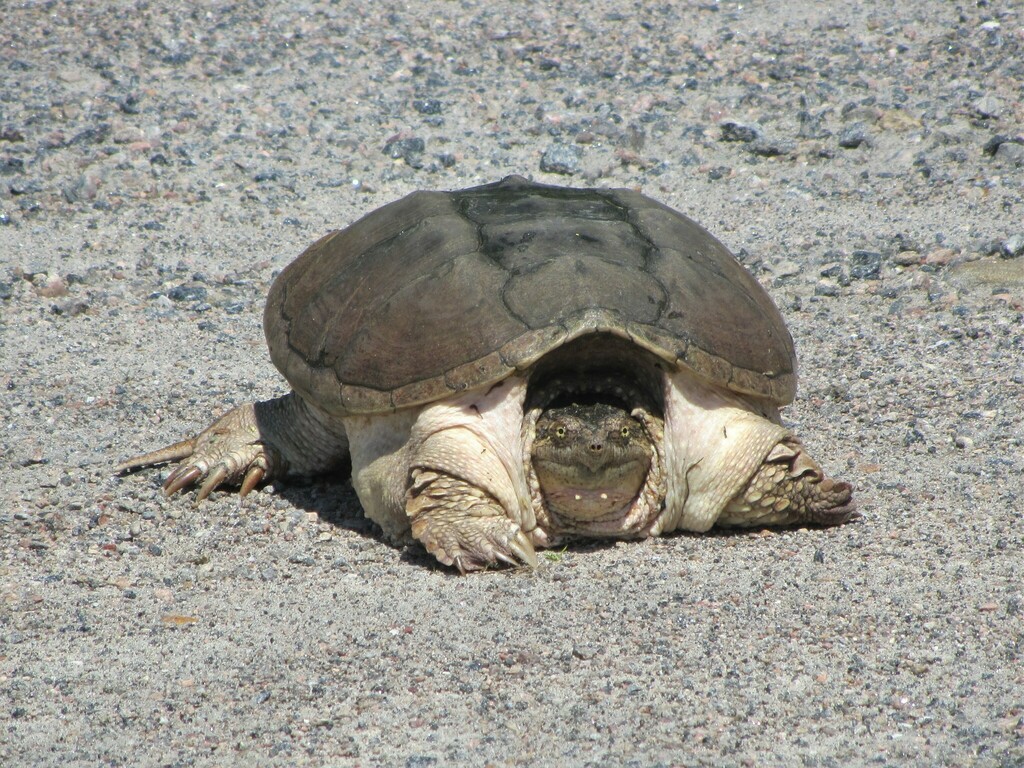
x,y
963,442
907,258
584,651
786,268
187,293
832,270
988,106
408,149
865,265
940,257
992,145
11,165
82,189
765,147
563,159
53,287
853,136
826,290
1013,246
745,132
1011,152
427,106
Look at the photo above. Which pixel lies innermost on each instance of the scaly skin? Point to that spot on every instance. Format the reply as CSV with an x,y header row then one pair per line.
x,y
462,525
790,488
249,445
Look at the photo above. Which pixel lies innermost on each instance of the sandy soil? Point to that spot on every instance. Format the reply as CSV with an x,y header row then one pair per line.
x,y
160,162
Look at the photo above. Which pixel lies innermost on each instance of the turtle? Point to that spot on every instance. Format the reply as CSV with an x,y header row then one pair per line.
x,y
516,365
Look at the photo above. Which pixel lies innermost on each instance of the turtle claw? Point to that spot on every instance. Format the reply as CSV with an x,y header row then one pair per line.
x,y
177,452
229,451
182,477
520,553
218,476
523,549
251,480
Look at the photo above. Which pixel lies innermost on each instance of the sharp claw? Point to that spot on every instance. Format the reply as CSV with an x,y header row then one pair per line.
x,y
523,549
508,560
252,479
218,476
182,477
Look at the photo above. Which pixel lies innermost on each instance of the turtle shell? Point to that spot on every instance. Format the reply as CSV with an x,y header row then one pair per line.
x,y
444,291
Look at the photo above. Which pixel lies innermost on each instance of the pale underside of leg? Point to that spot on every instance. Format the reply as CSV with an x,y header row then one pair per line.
x,y
450,475
468,502
732,463
714,442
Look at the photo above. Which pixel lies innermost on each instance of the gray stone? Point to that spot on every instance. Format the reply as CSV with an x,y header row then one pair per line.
x,y
1013,246
562,158
854,135
988,106
746,132
865,265
1011,152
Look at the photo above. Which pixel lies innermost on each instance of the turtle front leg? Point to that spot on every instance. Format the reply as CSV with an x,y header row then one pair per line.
x,y
790,488
451,475
251,444
462,525
467,499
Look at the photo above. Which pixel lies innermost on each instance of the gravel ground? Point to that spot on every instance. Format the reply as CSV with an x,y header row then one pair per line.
x,y
160,162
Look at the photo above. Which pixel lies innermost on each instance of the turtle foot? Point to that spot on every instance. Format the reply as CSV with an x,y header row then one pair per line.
x,y
228,452
790,488
463,526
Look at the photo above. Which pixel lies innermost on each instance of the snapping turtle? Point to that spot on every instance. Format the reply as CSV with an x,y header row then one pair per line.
x,y
514,365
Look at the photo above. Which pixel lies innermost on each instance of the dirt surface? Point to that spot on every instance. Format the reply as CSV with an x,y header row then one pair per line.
x,y
161,162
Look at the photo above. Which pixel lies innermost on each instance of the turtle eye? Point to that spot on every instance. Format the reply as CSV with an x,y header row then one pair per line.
x,y
560,431
625,432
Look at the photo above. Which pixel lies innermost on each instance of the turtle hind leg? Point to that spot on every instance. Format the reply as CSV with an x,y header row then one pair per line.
x,y
249,445
462,525
790,488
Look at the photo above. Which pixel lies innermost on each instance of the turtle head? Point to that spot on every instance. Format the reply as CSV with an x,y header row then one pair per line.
x,y
591,460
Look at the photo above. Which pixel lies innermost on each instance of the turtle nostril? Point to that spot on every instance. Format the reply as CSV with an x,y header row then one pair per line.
x,y
595,447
